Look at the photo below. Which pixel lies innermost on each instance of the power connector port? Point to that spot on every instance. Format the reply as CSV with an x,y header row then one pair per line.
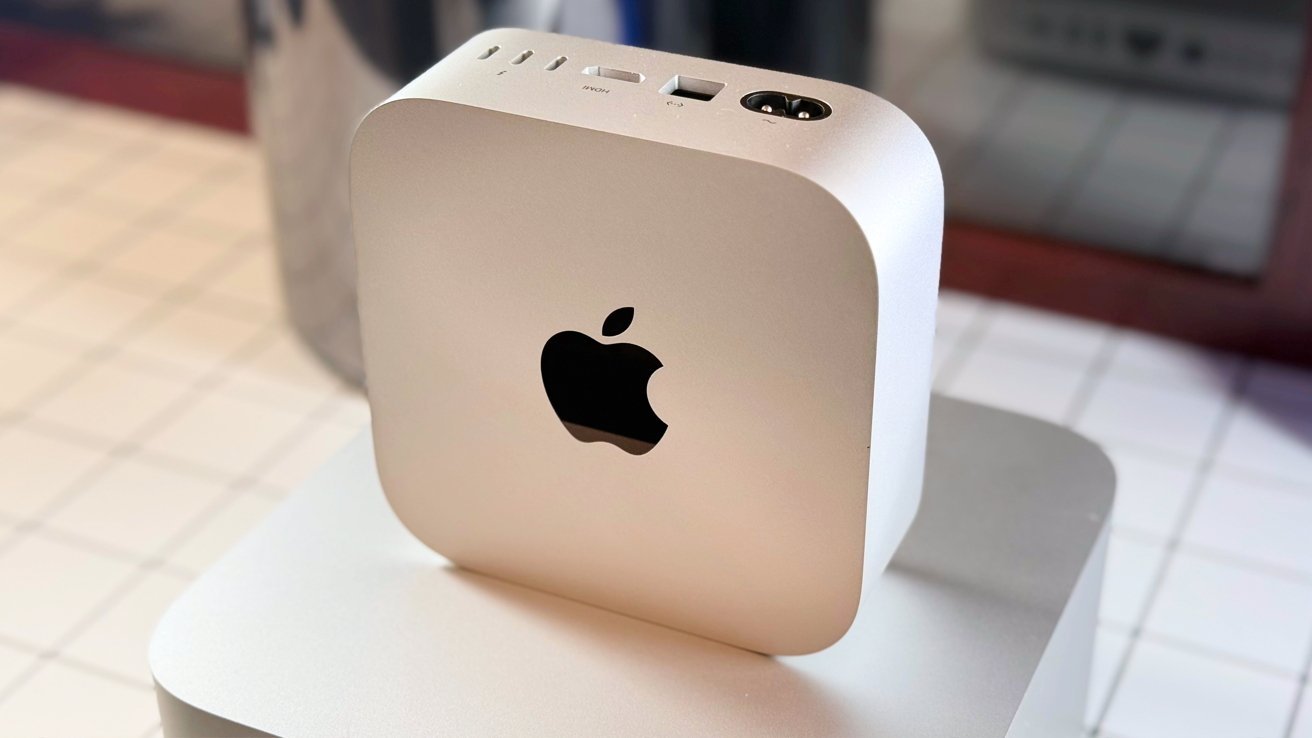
x,y
785,105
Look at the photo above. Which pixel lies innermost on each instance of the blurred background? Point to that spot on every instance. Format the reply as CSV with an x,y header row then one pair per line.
x,y
1129,253
1129,160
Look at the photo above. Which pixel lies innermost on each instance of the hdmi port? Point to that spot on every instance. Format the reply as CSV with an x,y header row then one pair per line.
x,y
618,74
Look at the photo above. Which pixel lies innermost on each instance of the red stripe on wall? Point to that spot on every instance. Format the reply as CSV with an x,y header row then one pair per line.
x,y
85,69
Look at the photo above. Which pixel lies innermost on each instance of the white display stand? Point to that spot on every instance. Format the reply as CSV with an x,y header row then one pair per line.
x,y
330,619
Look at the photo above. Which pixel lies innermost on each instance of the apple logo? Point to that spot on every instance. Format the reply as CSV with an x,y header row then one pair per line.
x,y
599,391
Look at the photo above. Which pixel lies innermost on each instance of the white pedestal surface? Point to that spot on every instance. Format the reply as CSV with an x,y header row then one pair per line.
x,y
330,619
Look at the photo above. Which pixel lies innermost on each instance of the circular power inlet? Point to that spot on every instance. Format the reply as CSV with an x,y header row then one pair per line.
x,y
786,106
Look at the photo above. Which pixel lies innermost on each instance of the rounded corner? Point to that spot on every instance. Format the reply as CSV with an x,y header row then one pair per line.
x,y
822,638
1092,453
890,113
1103,459
398,504
371,119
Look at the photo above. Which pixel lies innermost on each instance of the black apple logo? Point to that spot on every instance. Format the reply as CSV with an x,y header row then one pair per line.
x,y
599,391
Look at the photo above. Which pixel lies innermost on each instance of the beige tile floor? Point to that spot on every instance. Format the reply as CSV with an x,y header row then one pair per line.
x,y
154,406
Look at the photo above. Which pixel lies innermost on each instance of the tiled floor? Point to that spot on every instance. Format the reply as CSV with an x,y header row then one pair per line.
x,y
154,406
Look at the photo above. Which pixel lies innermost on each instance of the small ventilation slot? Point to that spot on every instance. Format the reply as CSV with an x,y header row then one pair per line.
x,y
490,51
523,57
555,63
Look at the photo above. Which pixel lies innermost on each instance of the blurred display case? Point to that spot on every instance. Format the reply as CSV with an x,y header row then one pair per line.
x,y
200,32
1143,162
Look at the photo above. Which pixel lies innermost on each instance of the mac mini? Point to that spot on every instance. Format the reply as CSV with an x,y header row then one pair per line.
x,y
650,332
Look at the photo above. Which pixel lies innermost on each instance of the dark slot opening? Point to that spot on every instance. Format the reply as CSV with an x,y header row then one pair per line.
x,y
692,88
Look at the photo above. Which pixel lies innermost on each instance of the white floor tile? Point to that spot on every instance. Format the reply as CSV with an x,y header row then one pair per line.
x,y
1169,693
88,310
1169,418
194,339
1235,611
143,214
52,160
137,507
1265,523
19,281
239,202
1303,721
225,434
221,531
71,233
42,337
13,662
253,280
147,181
37,469
155,291
19,198
114,145
31,108
173,256
352,411
1273,437
1110,647
29,366
310,452
118,641
1151,490
943,350
63,702
283,374
103,126
956,311
59,586
1143,356
1133,567
1018,382
1018,328
200,146
112,401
